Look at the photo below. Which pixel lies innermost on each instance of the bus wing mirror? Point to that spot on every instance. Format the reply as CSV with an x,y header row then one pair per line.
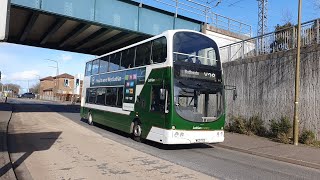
x,y
162,94
234,89
235,94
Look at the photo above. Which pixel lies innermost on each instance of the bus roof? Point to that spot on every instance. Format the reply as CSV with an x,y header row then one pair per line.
x,y
165,33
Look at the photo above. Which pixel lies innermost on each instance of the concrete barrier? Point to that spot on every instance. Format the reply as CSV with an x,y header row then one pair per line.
x,y
265,87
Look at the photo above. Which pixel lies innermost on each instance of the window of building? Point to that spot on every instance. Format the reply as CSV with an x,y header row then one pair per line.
x,y
159,50
95,66
88,68
115,61
104,64
143,54
101,96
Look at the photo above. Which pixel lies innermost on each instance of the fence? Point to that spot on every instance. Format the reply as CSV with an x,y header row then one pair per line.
x,y
281,40
200,11
50,98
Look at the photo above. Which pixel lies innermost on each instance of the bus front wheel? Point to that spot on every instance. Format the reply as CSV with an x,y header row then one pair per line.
x,y
136,131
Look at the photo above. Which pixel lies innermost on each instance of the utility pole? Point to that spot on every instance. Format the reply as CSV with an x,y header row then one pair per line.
x,y
262,22
297,81
262,17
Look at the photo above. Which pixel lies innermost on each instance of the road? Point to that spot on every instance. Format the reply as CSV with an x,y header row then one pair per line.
x,y
68,152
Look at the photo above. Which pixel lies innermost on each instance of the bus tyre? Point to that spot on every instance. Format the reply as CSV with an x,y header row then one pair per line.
x,y
136,131
90,121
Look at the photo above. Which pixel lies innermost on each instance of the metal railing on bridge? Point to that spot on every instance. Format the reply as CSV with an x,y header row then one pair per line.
x,y
201,11
281,40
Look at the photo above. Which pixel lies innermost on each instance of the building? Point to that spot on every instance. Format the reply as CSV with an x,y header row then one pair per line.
x,y
61,87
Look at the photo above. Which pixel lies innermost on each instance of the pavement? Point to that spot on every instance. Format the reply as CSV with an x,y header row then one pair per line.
x,y
301,155
6,171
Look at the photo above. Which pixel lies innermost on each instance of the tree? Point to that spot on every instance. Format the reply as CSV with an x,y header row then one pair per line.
x,y
14,88
282,37
35,88
287,17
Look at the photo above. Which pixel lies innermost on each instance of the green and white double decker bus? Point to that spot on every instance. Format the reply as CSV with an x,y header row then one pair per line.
x,y
167,89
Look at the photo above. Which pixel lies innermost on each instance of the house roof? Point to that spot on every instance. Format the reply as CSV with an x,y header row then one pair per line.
x,y
49,78
64,75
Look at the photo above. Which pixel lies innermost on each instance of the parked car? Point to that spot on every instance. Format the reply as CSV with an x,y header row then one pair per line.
x,y
28,95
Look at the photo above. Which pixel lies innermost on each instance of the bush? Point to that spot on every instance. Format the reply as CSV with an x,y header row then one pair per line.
x,y
237,125
283,138
255,126
281,126
307,137
281,130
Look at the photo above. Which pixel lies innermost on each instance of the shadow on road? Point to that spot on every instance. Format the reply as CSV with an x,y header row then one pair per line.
x,y
27,143
5,107
47,108
178,146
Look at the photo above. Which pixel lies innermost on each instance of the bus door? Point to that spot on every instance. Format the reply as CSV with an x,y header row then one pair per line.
x,y
152,104
158,109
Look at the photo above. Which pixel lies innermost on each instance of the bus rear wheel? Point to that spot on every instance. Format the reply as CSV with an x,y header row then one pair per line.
x,y
136,131
90,120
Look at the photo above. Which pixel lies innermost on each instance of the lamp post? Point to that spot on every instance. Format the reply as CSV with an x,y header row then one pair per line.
x,y
57,65
297,81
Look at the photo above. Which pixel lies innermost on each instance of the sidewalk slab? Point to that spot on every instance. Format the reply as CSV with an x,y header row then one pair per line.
x,y
300,155
6,171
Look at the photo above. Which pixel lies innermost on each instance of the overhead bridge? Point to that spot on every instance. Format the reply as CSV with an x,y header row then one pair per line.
x,y
100,26
87,26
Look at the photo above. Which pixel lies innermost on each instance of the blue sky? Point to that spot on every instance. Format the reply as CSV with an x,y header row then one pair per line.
x,y
247,11
20,64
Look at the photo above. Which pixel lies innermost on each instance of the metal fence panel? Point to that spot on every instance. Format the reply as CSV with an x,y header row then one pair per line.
x,y
281,40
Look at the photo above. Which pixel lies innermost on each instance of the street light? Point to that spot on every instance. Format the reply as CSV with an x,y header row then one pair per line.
x,y
297,81
56,66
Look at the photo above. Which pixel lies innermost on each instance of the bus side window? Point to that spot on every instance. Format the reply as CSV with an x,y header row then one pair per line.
x,y
143,54
91,96
104,63
127,58
119,96
159,50
88,68
111,96
115,61
95,66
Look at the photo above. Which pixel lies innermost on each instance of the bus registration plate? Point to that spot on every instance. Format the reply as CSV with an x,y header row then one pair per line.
x,y
200,140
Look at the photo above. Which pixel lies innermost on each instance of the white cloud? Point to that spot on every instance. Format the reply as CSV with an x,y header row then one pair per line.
x,y
24,75
66,57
